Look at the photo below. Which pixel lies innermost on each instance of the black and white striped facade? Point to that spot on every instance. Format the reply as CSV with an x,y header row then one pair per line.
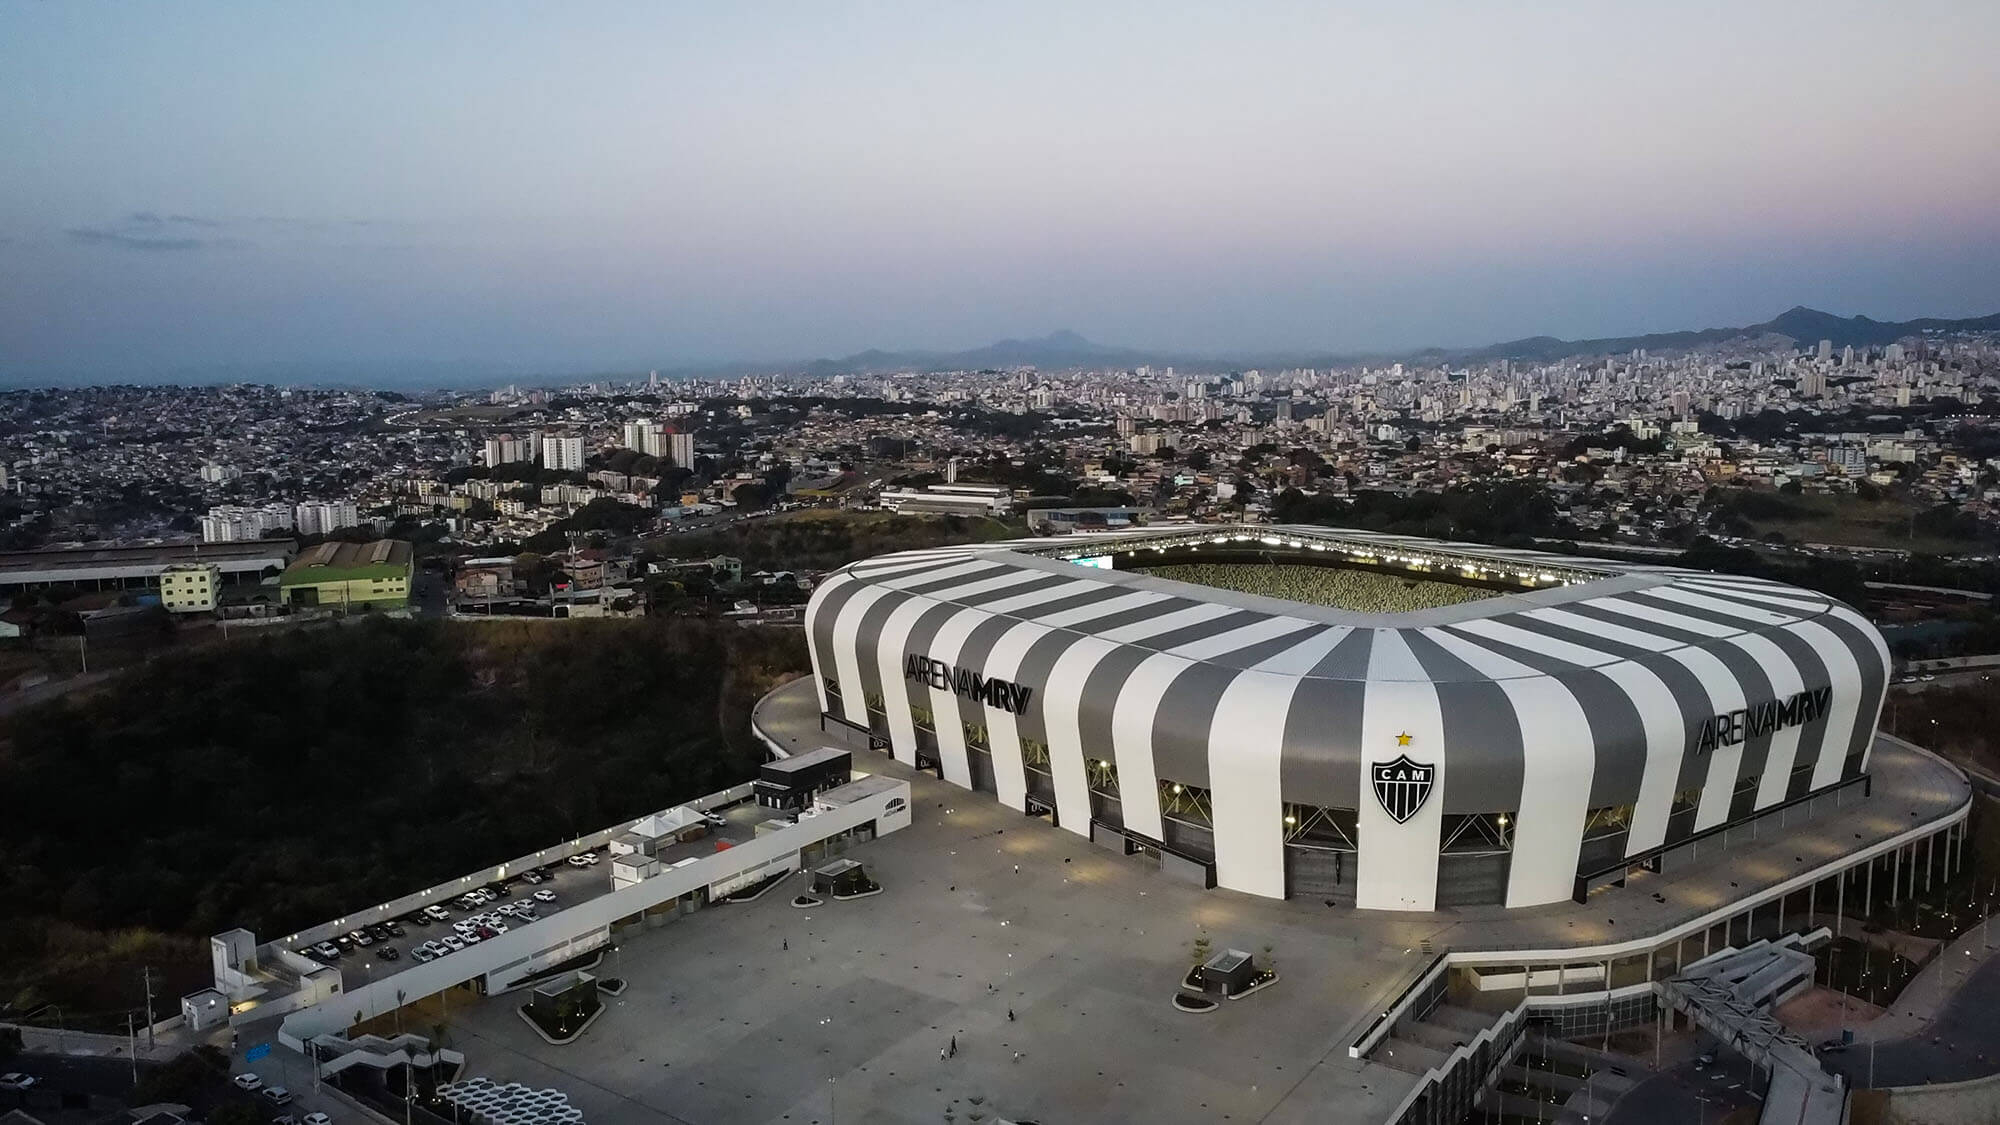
x,y
1603,711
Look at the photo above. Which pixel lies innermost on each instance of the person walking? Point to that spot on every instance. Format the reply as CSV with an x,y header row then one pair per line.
x,y
1010,1015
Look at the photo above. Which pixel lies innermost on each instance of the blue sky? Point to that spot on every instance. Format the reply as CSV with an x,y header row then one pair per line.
x,y
580,186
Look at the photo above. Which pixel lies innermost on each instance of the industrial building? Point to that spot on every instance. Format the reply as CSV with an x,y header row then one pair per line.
x,y
139,566
350,576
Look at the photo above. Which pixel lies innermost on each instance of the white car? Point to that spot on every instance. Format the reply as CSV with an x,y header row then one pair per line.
x,y
247,1081
277,1095
545,895
13,1080
579,861
422,953
453,943
316,1119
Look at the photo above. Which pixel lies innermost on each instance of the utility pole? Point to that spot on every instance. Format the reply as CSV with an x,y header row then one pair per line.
x,y
132,1048
149,1008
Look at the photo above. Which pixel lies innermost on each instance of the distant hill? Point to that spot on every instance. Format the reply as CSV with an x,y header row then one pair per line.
x,y
1803,326
1057,349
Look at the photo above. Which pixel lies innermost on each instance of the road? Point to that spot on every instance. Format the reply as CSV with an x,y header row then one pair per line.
x,y
1962,1043
1691,1093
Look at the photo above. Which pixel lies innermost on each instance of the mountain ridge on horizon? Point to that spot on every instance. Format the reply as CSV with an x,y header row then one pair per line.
x,y
1065,348
1060,349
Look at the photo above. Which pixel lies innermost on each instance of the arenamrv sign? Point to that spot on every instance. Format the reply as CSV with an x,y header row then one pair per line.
x,y
1004,694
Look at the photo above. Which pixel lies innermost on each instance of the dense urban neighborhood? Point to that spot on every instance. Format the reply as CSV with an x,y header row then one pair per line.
x,y
600,497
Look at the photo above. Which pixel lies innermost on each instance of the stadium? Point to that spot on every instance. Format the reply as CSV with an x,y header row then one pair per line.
x,y
1368,720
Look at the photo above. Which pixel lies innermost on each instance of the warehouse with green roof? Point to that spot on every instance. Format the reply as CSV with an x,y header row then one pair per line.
x,y
353,576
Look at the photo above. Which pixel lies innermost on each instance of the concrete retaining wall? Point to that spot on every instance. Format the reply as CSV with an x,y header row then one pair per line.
x,y
1949,1103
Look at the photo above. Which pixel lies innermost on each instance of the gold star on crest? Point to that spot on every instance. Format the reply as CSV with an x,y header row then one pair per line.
x,y
1403,739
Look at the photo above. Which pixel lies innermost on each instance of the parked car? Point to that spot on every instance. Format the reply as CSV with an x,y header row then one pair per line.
x,y
533,877
14,1080
277,1095
387,953
545,895
527,914
579,861
359,937
422,954
437,913
247,1081
317,1119
328,950
452,942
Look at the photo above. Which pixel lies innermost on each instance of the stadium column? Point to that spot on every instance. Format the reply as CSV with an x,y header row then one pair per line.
x,y
890,656
1556,745
825,603
847,653
1132,741
1725,694
1666,741
1062,702
1398,863
1558,763
1010,775
944,701
1846,709
1246,747
1873,690
1786,681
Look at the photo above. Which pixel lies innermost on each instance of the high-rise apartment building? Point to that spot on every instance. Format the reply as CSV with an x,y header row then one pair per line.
x,y
680,449
563,453
502,449
317,517
235,523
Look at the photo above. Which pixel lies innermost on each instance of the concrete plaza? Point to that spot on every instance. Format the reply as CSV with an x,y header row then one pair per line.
x,y
764,1012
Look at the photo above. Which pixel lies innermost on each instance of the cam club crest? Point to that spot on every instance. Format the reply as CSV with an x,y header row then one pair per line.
x,y
1403,785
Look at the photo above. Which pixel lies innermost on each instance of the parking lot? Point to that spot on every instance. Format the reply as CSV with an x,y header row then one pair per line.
x,y
361,964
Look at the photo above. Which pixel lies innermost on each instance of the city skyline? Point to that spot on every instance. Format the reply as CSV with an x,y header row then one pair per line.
x,y
391,191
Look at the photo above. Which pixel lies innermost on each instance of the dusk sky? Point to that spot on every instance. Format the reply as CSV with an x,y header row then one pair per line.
x,y
576,187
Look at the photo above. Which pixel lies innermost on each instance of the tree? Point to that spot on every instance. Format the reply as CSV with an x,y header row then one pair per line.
x,y
751,495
